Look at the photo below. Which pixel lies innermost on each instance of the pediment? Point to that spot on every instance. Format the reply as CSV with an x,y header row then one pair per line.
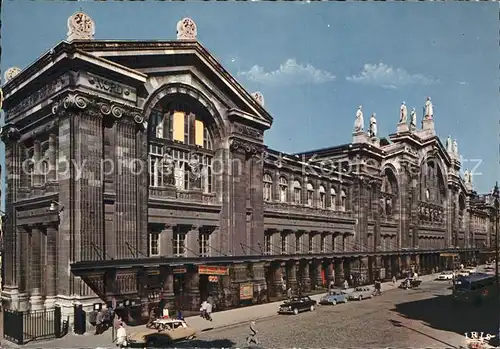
x,y
175,58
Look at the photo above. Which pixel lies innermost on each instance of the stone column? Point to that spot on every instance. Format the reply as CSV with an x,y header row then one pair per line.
x,y
277,276
319,268
339,272
167,280
387,267
417,263
192,292
36,272
330,276
52,175
305,278
395,266
192,244
291,275
166,241
51,267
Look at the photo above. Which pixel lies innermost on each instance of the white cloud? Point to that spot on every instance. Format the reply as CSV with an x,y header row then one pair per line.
x,y
388,77
288,73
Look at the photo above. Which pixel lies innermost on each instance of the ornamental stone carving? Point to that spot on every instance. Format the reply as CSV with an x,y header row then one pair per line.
x,y
97,108
11,73
249,132
9,133
240,145
80,27
186,29
258,97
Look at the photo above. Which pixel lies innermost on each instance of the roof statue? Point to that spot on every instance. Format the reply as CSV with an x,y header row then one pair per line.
x,y
403,114
186,29
413,118
454,147
373,125
258,97
11,73
449,145
359,124
80,27
429,110
466,176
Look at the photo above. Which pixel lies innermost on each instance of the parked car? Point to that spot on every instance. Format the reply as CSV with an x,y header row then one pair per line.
x,y
463,273
410,283
471,270
296,305
164,332
333,297
446,275
360,293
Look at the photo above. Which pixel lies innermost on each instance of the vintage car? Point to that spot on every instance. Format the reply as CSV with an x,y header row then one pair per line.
x,y
296,305
410,283
164,332
333,297
360,293
446,275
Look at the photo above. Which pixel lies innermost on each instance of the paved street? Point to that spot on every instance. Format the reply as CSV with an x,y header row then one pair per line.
x,y
370,323
424,317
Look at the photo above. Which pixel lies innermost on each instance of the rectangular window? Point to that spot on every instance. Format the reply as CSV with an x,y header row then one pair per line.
x,y
296,195
323,244
204,242
267,244
178,126
311,244
284,243
179,243
207,175
310,195
322,200
199,130
154,244
298,244
155,166
267,191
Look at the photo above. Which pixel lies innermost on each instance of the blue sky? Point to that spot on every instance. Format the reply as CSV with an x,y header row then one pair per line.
x,y
315,63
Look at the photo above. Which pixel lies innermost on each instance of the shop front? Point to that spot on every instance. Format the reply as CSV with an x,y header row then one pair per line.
x,y
212,280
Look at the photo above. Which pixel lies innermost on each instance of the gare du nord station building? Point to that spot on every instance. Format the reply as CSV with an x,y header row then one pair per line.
x,y
138,171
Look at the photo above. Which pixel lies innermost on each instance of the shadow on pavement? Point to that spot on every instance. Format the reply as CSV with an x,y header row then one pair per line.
x,y
198,343
443,314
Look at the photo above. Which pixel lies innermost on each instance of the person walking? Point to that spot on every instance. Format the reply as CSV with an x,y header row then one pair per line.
x,y
331,286
252,338
121,336
394,280
346,285
289,293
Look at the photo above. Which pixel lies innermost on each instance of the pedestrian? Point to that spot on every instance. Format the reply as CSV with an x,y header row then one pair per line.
x,y
252,338
99,322
289,293
121,336
165,313
346,284
394,280
332,285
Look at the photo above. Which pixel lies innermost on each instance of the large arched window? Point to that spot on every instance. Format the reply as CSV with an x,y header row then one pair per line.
x,y
297,192
268,187
310,194
322,196
283,189
180,146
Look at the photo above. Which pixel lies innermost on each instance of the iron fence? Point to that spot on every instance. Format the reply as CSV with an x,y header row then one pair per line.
x,y
21,327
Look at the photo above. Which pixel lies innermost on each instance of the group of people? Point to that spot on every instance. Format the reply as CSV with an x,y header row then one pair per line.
x,y
105,318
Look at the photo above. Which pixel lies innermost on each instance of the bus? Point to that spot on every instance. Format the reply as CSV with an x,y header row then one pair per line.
x,y
474,288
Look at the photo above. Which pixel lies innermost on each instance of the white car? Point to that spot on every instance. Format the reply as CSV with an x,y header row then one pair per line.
x,y
463,272
446,275
471,270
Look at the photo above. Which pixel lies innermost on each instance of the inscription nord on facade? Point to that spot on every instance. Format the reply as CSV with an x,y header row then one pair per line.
x,y
108,86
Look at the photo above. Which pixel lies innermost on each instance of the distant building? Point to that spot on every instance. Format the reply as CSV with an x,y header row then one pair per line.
x,y
137,170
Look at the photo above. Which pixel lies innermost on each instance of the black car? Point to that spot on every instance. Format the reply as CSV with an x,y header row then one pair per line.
x,y
297,304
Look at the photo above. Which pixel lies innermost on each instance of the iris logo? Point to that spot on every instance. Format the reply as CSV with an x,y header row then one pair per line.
x,y
478,340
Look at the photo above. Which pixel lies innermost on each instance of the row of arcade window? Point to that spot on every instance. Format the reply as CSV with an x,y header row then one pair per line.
x,y
179,244
323,200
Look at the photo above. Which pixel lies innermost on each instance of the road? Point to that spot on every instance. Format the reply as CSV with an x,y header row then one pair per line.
x,y
365,324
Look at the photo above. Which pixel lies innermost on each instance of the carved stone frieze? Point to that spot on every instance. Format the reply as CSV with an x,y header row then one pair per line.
x,y
96,107
249,132
40,95
240,145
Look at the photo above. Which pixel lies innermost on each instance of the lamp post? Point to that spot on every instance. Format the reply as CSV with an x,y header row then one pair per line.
x,y
496,194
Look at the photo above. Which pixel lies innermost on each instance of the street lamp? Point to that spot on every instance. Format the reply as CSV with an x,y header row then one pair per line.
x,y
496,195
55,206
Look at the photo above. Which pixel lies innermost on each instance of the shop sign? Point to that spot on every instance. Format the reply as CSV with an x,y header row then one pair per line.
x,y
448,254
180,270
213,270
212,278
246,291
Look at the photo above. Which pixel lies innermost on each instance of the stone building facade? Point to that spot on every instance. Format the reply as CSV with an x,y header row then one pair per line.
x,y
138,171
